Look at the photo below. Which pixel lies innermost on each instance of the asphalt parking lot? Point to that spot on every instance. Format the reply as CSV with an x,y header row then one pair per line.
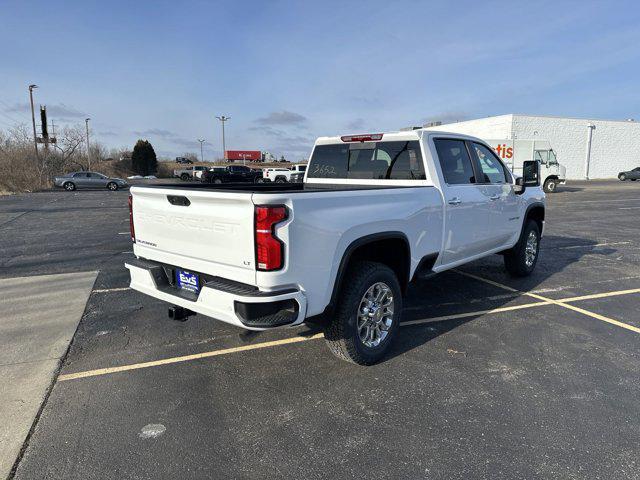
x,y
491,377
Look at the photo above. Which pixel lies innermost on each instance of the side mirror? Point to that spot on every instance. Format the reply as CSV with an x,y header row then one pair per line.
x,y
519,186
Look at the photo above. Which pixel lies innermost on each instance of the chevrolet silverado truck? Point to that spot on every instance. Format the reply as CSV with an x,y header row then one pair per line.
x,y
374,213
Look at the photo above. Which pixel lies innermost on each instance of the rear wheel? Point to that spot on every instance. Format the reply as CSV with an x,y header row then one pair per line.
x,y
281,180
112,186
622,177
259,180
69,186
184,177
367,314
217,180
522,258
550,185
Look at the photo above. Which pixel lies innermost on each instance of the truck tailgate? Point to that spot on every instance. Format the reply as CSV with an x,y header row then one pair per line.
x,y
202,231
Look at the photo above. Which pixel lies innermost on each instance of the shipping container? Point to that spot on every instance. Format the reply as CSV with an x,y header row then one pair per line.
x,y
250,155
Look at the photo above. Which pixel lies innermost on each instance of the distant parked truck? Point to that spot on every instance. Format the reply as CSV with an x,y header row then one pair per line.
x,y
281,175
232,174
183,160
515,152
188,173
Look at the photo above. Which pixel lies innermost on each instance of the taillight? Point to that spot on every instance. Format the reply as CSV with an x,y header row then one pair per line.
x,y
131,229
369,137
269,248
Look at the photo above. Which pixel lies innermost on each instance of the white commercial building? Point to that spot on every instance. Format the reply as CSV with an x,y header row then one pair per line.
x,y
587,148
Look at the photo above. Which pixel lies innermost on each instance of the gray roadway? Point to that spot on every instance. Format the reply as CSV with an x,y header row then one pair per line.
x,y
539,392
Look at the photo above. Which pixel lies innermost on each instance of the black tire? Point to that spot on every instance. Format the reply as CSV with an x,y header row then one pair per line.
x,y
516,261
341,333
633,179
622,177
550,185
217,180
113,186
259,180
69,186
184,177
281,180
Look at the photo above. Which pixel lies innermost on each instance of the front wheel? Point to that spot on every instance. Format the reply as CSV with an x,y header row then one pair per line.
x,y
549,185
69,186
367,315
522,258
217,180
259,180
622,177
112,186
184,177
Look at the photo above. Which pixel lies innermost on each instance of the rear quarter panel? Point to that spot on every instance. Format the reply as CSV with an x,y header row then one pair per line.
x,y
322,225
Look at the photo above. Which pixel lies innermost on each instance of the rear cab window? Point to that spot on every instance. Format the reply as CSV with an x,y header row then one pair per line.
x,y
383,160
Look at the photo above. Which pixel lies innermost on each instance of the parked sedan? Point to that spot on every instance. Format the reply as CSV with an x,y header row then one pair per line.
x,y
74,180
632,175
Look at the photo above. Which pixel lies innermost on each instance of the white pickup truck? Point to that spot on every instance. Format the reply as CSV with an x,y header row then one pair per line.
x,y
282,175
374,213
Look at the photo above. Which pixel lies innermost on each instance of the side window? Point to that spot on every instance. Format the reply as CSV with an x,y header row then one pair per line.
x,y
541,156
80,175
455,162
491,169
404,160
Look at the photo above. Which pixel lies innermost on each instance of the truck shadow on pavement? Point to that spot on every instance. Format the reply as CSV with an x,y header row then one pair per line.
x,y
451,293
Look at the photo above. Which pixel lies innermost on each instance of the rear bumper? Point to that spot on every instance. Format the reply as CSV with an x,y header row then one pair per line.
x,y
230,302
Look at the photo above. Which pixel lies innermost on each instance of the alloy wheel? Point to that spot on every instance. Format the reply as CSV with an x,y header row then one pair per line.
x,y
375,315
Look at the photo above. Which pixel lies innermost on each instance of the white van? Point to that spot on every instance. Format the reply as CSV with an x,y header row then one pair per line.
x,y
515,152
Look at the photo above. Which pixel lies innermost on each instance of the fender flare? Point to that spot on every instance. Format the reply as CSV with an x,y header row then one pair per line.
x,y
348,252
526,215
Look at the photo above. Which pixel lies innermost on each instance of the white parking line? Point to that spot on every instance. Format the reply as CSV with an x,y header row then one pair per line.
x,y
628,208
109,290
604,244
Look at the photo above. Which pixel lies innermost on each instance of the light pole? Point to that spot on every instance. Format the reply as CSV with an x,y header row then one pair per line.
x,y
33,118
201,140
223,119
86,124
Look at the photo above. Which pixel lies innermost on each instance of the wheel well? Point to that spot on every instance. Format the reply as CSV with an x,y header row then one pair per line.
x,y
536,214
554,177
392,251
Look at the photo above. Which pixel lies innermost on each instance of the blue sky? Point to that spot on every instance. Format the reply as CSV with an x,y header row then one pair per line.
x,y
287,72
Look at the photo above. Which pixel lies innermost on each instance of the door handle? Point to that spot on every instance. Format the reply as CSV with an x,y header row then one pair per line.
x,y
455,201
494,197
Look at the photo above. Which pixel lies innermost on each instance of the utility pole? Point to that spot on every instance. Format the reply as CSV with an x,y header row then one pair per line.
x,y
33,118
223,119
86,124
201,140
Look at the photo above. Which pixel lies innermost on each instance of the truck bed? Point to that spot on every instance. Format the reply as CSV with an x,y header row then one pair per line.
x,y
266,187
